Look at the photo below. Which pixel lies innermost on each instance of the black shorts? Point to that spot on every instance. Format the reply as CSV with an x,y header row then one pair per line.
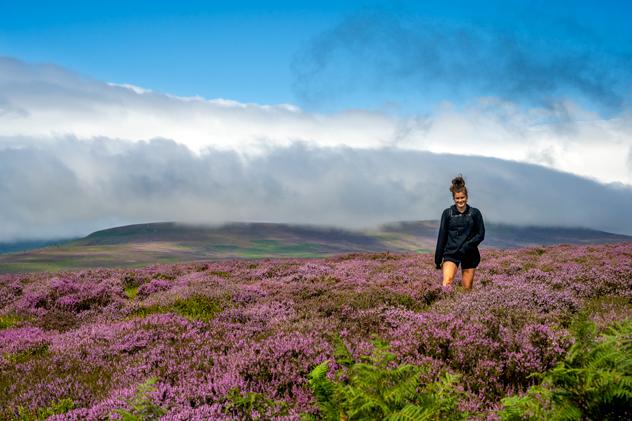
x,y
467,261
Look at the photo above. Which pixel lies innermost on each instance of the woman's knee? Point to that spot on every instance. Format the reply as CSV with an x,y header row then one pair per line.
x,y
449,271
468,278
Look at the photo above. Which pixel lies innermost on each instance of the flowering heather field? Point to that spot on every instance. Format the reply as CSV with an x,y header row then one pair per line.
x,y
223,338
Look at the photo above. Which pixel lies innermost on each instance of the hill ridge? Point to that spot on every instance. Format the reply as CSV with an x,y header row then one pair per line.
x,y
171,242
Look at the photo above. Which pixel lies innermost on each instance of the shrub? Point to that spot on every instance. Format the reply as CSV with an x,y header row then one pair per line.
x,y
27,354
59,407
155,285
252,406
379,389
594,381
142,407
132,280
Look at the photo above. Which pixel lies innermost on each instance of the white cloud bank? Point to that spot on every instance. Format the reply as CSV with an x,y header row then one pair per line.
x,y
47,102
78,155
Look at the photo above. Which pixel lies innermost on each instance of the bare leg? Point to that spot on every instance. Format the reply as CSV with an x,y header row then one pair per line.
x,y
449,271
468,278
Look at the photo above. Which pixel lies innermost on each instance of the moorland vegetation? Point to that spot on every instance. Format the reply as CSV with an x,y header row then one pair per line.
x,y
545,334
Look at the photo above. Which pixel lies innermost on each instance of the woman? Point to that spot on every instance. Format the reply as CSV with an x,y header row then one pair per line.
x,y
460,233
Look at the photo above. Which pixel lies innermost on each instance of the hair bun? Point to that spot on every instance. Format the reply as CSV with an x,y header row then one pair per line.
x,y
458,182
458,185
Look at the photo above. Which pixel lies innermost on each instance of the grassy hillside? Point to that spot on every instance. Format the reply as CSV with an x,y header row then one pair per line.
x,y
143,244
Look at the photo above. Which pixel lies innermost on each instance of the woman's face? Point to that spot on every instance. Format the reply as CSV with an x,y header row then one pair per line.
x,y
460,199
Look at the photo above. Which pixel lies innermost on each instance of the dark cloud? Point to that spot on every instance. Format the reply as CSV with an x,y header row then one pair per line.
x,y
72,187
374,53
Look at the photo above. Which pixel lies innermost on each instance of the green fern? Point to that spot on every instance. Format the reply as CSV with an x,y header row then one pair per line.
x,y
594,381
325,391
409,413
379,389
341,353
57,407
242,405
142,407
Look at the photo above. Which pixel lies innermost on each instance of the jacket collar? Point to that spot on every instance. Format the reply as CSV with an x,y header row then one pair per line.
x,y
456,211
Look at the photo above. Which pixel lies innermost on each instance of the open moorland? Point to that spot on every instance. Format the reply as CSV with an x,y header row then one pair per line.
x,y
352,336
141,245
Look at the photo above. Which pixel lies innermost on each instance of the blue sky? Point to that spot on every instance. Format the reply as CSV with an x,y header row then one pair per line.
x,y
348,113
251,51
236,50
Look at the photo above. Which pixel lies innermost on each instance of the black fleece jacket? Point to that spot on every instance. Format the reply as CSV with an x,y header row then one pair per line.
x,y
459,233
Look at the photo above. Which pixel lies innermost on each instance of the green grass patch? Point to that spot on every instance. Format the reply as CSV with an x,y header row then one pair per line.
x,y
9,320
599,305
198,307
37,351
131,292
260,254
26,266
56,408
226,247
221,274
372,298
155,309
195,307
162,259
267,248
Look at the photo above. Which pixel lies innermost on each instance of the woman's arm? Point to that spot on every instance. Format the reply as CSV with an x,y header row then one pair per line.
x,y
441,239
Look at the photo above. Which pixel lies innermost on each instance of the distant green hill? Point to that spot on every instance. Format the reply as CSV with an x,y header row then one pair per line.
x,y
169,242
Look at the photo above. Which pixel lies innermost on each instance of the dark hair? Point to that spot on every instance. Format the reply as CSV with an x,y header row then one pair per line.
x,y
458,185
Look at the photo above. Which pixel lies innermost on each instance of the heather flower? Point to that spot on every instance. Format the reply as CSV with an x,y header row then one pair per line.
x,y
155,285
206,329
